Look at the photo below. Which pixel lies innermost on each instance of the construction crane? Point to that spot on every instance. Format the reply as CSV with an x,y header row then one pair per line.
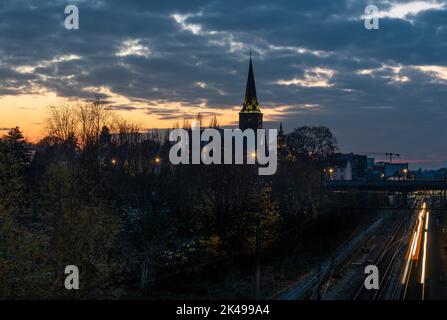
x,y
386,154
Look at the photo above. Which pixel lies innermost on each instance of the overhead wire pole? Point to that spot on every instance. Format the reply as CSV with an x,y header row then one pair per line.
x,y
322,173
443,193
258,261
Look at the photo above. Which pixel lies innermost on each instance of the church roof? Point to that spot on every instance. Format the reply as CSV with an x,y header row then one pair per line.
x,y
251,100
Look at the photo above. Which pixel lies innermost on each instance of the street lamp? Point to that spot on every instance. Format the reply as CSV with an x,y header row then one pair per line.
x,y
322,176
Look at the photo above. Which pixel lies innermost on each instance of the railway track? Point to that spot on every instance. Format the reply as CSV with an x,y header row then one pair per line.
x,y
389,264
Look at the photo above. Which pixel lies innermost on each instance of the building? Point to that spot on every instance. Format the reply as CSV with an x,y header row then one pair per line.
x,y
359,164
370,163
392,171
250,116
343,170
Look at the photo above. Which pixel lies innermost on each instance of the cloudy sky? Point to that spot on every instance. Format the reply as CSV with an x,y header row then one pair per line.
x,y
315,64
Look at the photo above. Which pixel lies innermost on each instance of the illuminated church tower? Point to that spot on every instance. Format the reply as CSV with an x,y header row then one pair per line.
x,y
250,116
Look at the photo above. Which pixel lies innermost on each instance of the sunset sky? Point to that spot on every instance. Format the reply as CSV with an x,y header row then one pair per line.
x,y
314,62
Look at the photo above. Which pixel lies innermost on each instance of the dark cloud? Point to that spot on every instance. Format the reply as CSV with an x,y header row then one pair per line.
x,y
202,56
125,108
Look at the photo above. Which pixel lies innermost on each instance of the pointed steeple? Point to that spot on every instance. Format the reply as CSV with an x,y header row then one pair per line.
x,y
251,100
250,116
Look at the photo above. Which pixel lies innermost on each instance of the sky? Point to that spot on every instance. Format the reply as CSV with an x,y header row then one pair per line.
x,y
315,63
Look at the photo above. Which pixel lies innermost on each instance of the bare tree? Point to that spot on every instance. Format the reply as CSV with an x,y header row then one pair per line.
x,y
214,123
61,122
128,132
186,124
83,121
92,117
199,119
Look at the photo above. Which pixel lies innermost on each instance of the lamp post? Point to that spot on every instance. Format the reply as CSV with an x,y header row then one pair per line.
x,y
258,261
253,155
322,176
326,172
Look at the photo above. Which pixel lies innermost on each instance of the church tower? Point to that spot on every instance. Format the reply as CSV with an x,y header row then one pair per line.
x,y
250,116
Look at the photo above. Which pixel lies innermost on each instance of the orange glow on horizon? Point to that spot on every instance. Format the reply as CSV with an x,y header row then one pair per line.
x,y
29,112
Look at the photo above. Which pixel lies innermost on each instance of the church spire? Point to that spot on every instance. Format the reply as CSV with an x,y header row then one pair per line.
x,y
250,116
251,100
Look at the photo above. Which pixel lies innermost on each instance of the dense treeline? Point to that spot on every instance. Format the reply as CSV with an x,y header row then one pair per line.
x,y
95,194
